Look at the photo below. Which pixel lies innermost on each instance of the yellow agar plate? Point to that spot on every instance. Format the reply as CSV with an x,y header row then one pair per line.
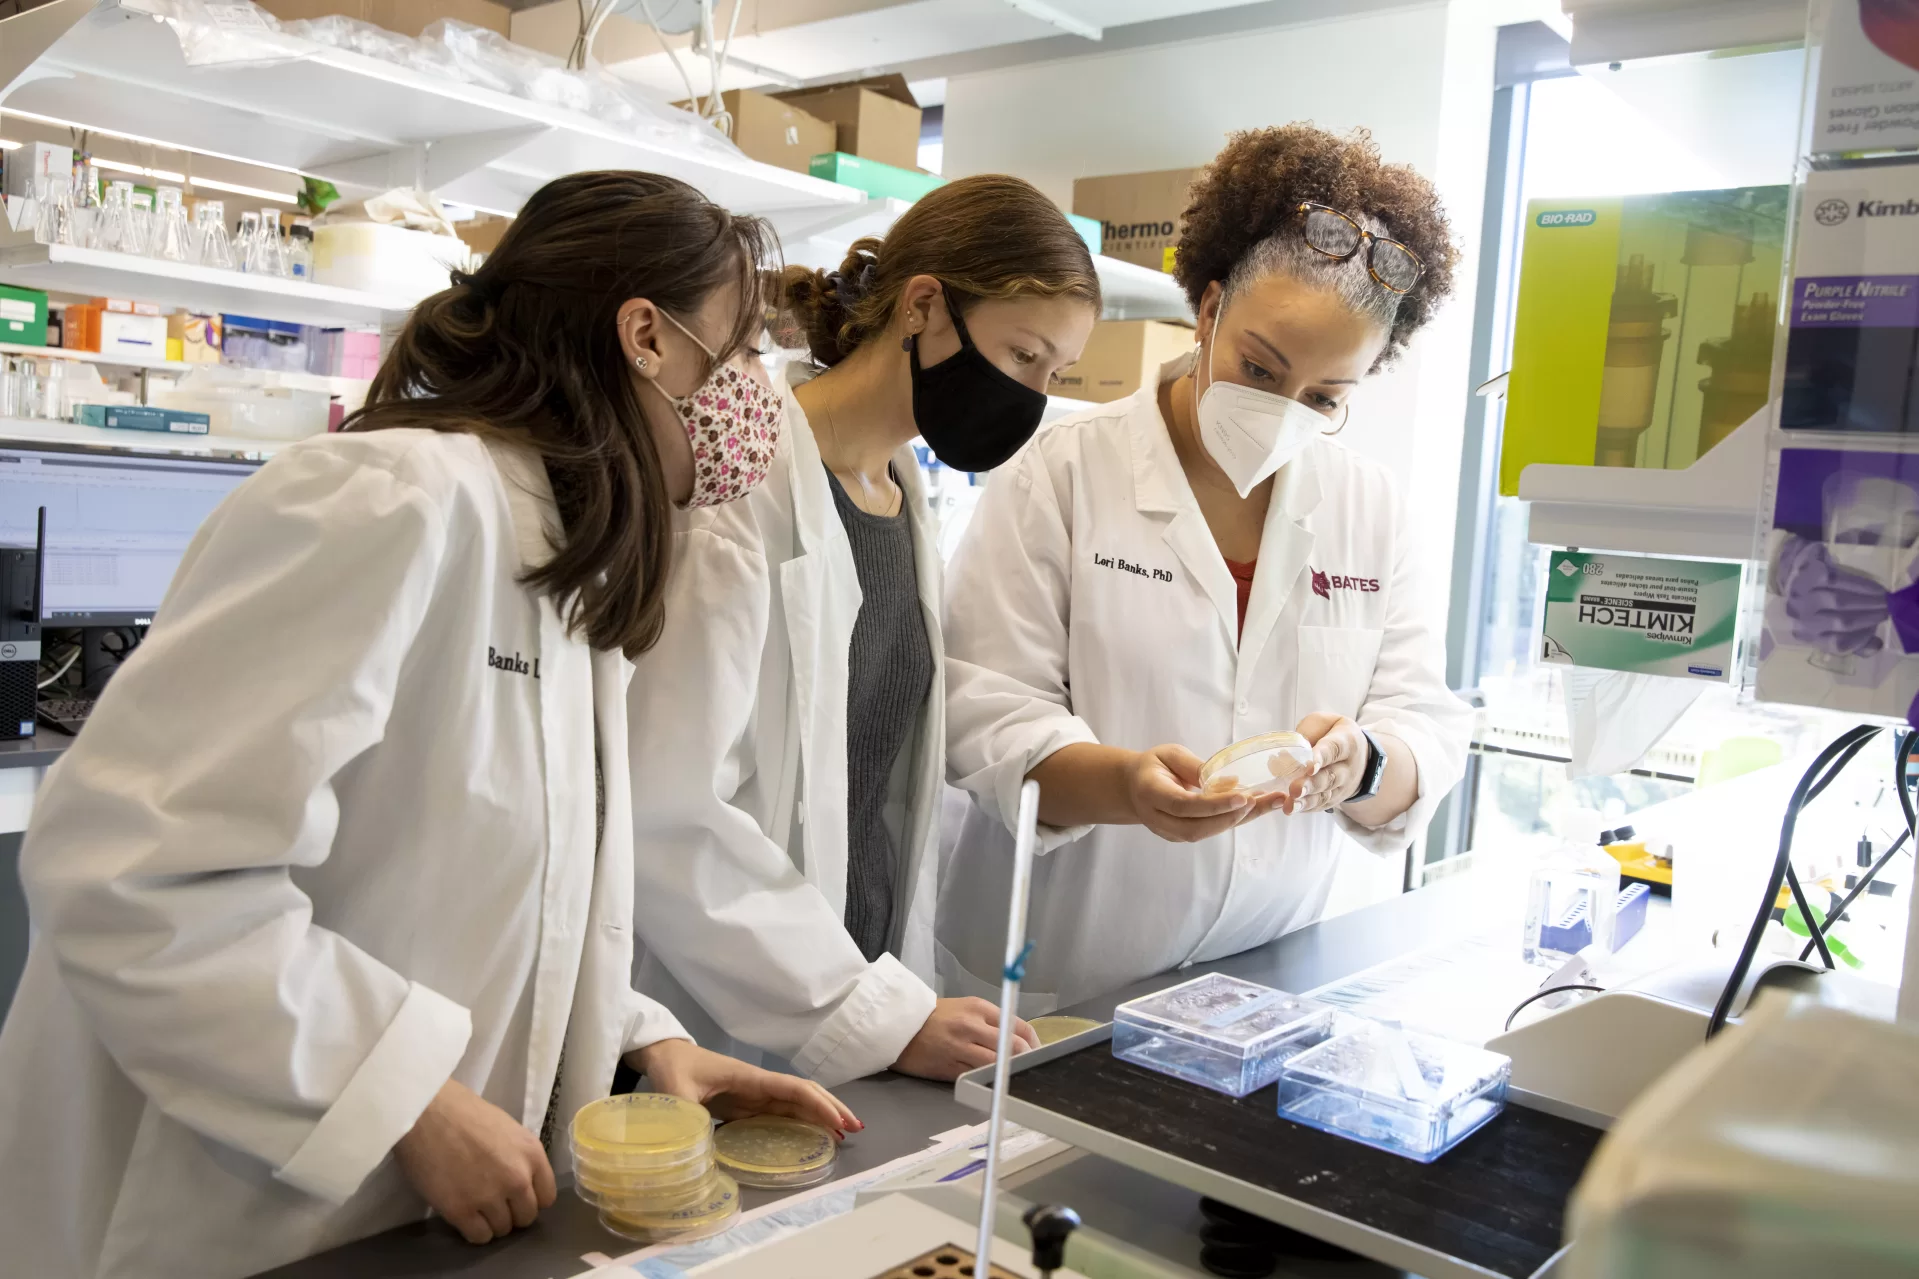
x,y
769,1150
628,1201
713,1214
641,1130
1258,765
1053,1029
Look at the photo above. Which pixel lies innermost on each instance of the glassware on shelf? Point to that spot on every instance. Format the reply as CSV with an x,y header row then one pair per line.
x,y
139,221
51,399
300,252
55,224
264,255
86,204
172,235
244,240
113,224
211,247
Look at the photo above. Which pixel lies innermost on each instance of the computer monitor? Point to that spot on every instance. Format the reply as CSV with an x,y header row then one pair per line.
x,y
117,523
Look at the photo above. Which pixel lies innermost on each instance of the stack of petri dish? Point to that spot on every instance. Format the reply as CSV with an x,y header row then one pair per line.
x,y
645,1160
770,1151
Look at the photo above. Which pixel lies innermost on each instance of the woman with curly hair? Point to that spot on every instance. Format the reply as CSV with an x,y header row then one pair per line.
x,y
1199,564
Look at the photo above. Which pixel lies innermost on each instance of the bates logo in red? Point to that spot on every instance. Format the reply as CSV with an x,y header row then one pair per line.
x,y
1324,584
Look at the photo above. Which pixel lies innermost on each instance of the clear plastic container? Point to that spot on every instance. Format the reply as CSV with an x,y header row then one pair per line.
x,y
1571,903
1410,1094
1257,765
1219,1032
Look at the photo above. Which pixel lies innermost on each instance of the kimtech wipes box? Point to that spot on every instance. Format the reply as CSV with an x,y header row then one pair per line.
x,y
1636,613
1853,313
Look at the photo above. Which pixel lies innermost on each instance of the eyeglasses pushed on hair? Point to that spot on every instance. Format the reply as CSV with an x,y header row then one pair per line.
x,y
1332,233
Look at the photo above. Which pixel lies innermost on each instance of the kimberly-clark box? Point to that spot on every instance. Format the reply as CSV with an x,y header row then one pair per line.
x,y
1868,93
1853,313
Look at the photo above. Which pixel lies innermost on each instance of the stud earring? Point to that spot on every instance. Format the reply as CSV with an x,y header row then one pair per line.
x,y
639,362
906,343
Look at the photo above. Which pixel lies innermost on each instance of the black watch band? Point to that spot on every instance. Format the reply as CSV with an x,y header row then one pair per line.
x,y
1375,771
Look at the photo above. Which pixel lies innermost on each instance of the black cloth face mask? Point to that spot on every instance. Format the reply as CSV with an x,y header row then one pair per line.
x,y
972,414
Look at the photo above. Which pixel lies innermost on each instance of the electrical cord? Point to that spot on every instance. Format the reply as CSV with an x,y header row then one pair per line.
x,y
1541,994
1907,743
1805,912
1845,903
1815,779
65,666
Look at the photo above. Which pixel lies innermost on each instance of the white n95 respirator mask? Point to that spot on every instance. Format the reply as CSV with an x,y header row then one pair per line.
x,y
1250,433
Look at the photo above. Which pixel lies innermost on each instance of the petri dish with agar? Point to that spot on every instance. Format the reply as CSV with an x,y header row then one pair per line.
x,y
1257,765
773,1151
716,1212
640,1131
1055,1028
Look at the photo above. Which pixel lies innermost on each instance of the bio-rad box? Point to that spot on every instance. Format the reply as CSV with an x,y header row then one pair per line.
x,y
1868,93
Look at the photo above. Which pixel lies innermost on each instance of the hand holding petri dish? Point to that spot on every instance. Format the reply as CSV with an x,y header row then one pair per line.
x,y
1258,765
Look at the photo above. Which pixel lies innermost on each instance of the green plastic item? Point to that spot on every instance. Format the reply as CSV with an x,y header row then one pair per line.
x,y
881,181
1089,230
1737,756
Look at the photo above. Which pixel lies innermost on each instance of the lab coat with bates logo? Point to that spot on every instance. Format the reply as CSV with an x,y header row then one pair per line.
x,y
327,841
1088,602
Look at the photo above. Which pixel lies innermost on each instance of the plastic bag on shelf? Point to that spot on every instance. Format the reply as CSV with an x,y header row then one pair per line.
x,y
337,31
222,32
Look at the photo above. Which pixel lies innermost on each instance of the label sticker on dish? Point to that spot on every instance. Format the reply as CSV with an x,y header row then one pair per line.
x,y
1220,1021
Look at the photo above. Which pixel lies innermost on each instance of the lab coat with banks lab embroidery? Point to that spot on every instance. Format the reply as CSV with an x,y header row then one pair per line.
x,y
326,843
1088,602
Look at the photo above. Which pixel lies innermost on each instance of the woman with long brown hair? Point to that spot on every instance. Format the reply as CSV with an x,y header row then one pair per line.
x,y
334,898
786,810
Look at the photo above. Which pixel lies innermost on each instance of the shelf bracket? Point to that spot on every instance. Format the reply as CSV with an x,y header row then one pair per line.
x,y
26,36
432,165
1055,16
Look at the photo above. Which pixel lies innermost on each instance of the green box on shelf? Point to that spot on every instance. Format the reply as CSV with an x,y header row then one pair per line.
x,y
1089,230
139,417
880,181
23,316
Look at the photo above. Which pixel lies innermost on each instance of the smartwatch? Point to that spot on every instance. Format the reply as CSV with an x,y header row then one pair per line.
x,y
1374,772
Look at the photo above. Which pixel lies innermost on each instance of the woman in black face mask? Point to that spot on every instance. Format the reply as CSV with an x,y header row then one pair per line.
x,y
787,833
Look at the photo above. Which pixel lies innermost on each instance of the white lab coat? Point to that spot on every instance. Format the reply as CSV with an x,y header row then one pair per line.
x,y
327,841
1088,602
739,783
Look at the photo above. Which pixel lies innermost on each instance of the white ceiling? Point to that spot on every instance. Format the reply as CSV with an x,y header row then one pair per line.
x,y
837,39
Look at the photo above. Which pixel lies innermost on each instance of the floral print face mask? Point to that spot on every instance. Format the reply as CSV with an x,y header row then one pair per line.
x,y
733,422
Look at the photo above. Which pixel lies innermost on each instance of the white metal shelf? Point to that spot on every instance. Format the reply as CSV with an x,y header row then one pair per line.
x,y
341,386
1710,509
363,123
29,429
61,268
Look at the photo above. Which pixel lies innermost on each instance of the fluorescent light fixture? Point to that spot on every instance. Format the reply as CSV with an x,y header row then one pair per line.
x,y
161,175
258,193
146,141
8,144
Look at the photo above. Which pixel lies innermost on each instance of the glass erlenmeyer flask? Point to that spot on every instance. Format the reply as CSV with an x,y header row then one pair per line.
x,y
172,235
113,224
243,242
264,254
55,224
210,244
139,222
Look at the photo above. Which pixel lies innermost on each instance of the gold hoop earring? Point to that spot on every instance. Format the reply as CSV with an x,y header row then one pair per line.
x,y
1344,418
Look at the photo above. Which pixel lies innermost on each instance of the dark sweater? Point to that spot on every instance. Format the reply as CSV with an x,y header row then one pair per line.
x,y
889,674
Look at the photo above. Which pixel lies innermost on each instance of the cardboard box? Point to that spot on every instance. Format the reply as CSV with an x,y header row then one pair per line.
x,y
877,180
142,337
1121,357
408,17
776,132
1140,214
138,417
80,327
876,119
23,316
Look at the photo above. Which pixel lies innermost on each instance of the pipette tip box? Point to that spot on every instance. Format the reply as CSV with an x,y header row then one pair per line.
x,y
1219,1032
1410,1094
